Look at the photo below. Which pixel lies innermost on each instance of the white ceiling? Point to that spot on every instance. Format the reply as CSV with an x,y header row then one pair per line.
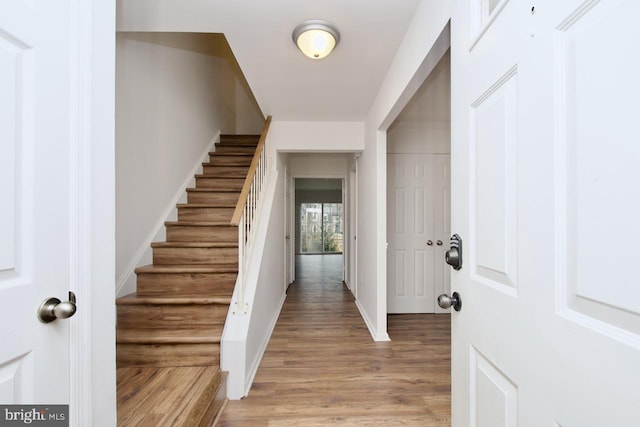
x,y
286,84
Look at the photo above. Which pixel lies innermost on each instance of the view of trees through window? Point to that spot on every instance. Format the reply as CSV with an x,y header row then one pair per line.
x,y
321,228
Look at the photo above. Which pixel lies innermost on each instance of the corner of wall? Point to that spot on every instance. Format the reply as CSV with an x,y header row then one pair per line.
x,y
375,334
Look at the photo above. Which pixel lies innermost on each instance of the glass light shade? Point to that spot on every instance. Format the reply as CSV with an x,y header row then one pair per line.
x,y
316,39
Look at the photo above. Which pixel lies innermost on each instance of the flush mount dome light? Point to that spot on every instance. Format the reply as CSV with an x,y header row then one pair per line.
x,y
316,38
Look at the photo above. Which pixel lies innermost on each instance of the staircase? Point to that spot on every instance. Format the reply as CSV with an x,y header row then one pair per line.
x,y
168,333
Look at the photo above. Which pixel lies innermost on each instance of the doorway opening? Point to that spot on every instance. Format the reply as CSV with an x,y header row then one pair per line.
x,y
418,197
319,230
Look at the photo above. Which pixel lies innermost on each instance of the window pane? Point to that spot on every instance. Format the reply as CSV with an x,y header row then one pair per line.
x,y
310,227
333,227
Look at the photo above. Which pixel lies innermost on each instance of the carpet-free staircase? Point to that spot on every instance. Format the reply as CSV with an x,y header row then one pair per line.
x,y
168,333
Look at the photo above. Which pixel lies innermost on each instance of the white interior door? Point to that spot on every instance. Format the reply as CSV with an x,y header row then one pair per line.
x,y
410,234
34,188
418,197
545,157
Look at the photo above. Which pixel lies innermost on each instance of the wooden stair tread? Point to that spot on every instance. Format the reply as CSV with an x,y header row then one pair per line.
x,y
247,155
243,148
135,299
239,135
212,190
229,178
200,223
214,174
245,167
168,336
194,245
205,206
239,142
188,268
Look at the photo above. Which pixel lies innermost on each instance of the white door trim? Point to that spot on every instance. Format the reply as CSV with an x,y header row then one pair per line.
x,y
353,228
92,215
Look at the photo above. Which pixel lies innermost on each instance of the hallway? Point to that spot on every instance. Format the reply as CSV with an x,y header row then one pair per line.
x,y
322,368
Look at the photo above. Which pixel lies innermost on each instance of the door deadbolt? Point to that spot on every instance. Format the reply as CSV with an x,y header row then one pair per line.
x,y
52,309
453,256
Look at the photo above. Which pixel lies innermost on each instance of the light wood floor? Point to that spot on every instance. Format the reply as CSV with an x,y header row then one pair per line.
x,y
322,368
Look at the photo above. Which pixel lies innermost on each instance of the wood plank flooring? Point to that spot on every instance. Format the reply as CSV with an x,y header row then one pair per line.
x,y
322,368
151,397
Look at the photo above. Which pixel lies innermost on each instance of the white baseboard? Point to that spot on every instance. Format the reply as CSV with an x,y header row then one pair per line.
x,y
126,281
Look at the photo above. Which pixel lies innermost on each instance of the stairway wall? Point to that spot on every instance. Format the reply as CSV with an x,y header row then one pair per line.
x,y
175,92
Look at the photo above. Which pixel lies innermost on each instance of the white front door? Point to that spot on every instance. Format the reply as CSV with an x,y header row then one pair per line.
x,y
417,223
545,155
34,249
57,202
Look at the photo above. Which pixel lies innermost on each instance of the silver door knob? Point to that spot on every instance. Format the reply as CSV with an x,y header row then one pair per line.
x,y
446,301
52,309
429,243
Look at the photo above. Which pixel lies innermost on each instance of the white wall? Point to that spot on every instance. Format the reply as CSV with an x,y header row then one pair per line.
x,y
420,138
319,165
424,125
419,53
249,119
174,93
317,137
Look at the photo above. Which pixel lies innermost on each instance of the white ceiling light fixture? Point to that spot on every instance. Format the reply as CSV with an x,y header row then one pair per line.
x,y
316,38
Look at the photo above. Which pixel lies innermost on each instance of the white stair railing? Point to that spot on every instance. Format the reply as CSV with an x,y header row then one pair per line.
x,y
246,212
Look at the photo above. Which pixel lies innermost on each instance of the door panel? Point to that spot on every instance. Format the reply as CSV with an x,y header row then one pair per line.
x,y
545,154
35,52
495,396
16,283
492,160
598,208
